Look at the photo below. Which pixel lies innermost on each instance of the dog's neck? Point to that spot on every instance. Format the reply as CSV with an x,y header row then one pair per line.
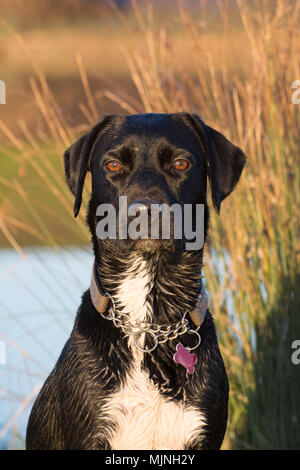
x,y
154,287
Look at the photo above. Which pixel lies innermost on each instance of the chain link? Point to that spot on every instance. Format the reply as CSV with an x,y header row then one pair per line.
x,y
160,333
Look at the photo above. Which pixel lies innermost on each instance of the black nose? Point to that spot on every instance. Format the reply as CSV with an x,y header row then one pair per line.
x,y
141,205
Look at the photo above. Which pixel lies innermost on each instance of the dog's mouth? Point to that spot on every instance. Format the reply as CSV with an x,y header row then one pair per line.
x,y
144,230
148,225
144,245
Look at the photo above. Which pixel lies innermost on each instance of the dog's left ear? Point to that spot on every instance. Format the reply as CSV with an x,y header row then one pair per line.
x,y
77,160
225,161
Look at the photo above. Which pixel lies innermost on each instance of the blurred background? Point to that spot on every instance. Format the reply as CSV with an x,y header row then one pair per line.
x,y
233,62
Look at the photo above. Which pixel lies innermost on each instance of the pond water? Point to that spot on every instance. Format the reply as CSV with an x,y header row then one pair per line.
x,y
39,295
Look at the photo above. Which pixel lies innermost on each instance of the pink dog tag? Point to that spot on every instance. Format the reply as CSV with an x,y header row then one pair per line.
x,y
185,358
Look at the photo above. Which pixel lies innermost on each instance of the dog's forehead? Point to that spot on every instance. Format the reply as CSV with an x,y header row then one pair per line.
x,y
141,130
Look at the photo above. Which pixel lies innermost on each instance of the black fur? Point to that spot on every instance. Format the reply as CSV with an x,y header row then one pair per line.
x,y
68,413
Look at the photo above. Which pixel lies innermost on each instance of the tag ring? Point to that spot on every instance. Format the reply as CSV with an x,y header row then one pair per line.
x,y
188,348
144,349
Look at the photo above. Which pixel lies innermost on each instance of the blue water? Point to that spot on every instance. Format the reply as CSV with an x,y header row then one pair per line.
x,y
39,295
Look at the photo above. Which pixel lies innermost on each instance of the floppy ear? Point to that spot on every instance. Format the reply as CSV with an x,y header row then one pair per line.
x,y
77,160
225,161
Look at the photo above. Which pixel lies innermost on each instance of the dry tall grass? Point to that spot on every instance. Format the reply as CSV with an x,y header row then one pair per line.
x,y
255,277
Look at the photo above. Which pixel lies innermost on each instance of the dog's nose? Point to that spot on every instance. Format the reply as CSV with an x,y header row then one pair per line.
x,y
141,205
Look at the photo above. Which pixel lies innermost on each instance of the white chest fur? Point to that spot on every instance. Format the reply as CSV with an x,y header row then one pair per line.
x,y
144,418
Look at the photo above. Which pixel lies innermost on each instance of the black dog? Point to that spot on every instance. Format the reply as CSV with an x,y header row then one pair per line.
x,y
105,391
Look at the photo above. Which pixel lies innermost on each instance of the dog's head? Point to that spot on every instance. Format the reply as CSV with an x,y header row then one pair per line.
x,y
152,159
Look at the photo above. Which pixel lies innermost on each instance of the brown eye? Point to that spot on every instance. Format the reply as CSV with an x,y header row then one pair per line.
x,y
181,164
114,166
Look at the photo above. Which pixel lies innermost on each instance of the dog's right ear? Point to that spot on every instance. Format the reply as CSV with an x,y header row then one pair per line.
x,y
77,160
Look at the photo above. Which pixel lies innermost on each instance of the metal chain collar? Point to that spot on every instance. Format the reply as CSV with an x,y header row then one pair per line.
x,y
160,333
